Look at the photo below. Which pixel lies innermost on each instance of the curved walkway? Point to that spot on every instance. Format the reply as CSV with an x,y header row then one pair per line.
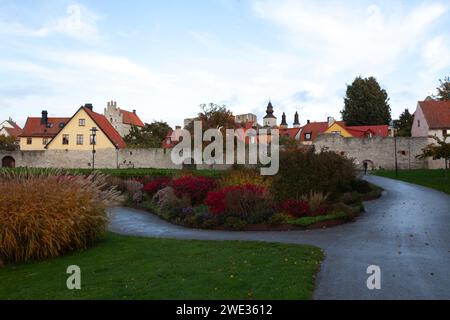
x,y
406,233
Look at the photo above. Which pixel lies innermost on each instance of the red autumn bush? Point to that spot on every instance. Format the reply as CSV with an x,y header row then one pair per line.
x,y
242,201
296,208
193,188
154,186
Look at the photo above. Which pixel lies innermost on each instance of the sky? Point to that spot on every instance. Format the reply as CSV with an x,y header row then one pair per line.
x,y
165,58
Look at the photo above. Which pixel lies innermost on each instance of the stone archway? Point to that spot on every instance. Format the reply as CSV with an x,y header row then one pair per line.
x,y
8,162
370,165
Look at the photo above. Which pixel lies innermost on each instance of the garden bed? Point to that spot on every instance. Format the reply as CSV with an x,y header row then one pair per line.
x,y
311,190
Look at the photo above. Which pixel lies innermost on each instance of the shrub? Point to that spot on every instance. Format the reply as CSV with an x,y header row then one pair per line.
x,y
361,186
246,176
155,185
195,189
296,208
242,201
235,223
133,189
44,215
302,171
316,200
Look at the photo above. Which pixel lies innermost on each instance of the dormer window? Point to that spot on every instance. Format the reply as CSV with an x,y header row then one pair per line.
x,y
308,136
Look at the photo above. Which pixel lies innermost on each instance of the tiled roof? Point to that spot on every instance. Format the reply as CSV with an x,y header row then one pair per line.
x,y
131,118
361,131
34,128
316,128
14,132
107,128
437,113
290,132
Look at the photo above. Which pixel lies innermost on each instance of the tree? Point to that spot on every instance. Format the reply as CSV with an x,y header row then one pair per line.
x,y
8,143
366,103
438,150
214,116
443,90
404,124
150,136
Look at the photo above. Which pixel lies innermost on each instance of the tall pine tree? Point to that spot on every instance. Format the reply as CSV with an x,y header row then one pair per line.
x,y
366,103
443,90
404,124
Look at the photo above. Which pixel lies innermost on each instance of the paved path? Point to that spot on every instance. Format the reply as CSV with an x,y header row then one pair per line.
x,y
406,233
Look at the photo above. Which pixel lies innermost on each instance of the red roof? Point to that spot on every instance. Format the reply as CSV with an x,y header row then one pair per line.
x,y
316,128
34,128
131,118
437,113
106,127
290,132
362,131
15,131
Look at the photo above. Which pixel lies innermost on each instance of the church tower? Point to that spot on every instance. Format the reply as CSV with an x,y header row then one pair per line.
x,y
283,124
296,121
269,120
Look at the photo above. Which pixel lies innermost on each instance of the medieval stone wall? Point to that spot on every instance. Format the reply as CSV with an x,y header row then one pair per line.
x,y
380,152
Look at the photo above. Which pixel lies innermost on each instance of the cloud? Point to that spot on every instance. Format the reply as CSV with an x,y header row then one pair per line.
x,y
79,22
338,41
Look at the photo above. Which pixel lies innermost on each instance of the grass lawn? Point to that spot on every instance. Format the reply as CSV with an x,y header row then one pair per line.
x,y
429,178
121,267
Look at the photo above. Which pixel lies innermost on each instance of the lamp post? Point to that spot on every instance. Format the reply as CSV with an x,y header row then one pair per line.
x,y
93,141
395,147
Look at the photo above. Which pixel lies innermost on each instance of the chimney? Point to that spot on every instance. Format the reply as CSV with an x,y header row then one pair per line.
x,y
44,118
308,121
331,121
89,106
134,111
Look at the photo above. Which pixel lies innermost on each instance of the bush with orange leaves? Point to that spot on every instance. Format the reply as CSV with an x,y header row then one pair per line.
x,y
44,214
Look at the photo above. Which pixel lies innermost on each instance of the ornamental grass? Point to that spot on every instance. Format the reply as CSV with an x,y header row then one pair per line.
x,y
45,213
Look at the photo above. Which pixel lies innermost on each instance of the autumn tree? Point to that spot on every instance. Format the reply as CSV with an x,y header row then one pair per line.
x,y
438,150
8,143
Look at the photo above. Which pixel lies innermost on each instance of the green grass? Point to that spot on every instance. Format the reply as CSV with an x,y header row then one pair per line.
x,y
429,178
308,221
122,267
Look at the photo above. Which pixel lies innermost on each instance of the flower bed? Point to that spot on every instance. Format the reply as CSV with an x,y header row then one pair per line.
x,y
245,201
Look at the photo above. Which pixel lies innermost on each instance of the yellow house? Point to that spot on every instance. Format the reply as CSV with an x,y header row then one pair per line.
x,y
77,134
336,128
73,133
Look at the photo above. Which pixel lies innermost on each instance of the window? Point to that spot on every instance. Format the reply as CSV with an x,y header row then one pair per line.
x,y
65,139
29,140
92,140
308,136
80,139
44,141
444,132
336,132
82,122
418,123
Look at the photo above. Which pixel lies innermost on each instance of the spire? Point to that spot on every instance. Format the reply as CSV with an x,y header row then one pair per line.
x,y
269,111
283,119
296,120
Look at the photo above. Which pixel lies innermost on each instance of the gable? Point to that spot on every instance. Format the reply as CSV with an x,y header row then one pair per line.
x,y
73,129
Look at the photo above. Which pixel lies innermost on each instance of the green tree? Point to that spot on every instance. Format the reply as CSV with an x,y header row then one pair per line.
x,y
443,91
438,150
214,116
404,124
8,143
150,136
366,103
